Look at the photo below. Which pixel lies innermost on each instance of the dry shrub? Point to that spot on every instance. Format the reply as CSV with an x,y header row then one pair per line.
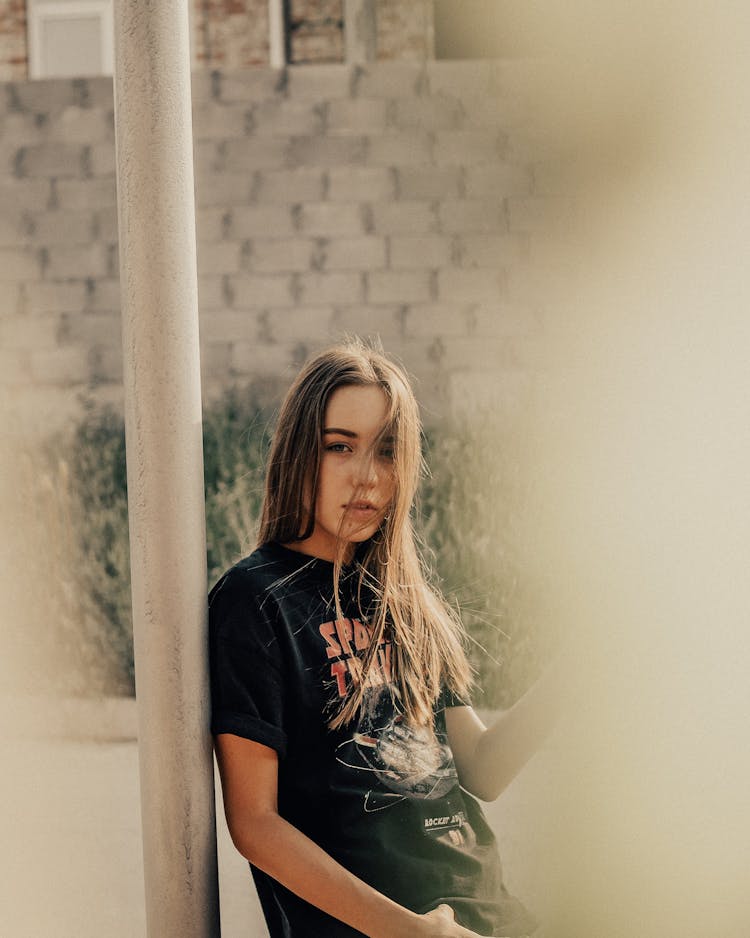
x,y
74,501
473,526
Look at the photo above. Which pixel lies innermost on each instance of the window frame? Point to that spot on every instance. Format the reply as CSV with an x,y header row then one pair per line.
x,y
39,11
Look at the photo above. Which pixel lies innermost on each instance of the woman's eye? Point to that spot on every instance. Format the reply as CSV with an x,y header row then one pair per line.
x,y
337,448
387,453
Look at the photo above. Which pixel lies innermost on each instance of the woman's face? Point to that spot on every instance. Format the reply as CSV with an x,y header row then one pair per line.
x,y
356,480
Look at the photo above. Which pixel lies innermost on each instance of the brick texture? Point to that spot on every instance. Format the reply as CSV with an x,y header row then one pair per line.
x,y
229,34
316,30
405,30
330,200
13,51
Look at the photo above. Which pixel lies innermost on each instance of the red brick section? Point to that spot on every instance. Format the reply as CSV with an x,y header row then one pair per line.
x,y
229,33
234,33
14,61
316,30
405,30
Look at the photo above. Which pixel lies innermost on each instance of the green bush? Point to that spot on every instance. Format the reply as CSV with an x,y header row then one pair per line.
x,y
468,524
236,436
97,465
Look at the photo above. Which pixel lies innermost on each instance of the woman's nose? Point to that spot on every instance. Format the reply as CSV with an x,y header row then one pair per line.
x,y
366,470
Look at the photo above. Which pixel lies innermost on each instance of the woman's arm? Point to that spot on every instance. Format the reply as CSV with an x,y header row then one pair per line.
x,y
487,760
249,779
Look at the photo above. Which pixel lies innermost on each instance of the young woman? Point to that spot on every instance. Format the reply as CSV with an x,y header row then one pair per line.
x,y
347,747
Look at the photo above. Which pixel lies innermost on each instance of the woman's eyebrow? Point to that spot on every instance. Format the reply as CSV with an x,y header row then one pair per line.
x,y
352,434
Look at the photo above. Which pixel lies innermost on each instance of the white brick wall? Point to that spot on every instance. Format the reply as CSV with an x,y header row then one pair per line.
x,y
19,264
363,253
57,296
457,286
287,186
281,255
405,217
10,298
327,151
29,332
492,250
429,182
431,251
425,321
71,261
253,291
31,195
400,149
426,113
451,146
319,82
384,321
247,221
356,115
316,289
388,80
399,286
46,228
214,187
50,159
103,294
360,183
82,194
472,215
287,117
249,153
388,200
332,219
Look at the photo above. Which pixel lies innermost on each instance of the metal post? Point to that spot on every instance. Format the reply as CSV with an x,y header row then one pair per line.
x,y
165,464
360,31
276,34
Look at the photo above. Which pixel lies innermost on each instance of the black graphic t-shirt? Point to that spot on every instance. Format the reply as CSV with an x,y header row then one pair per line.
x,y
381,797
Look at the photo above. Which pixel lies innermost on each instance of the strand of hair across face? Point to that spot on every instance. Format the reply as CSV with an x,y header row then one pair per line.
x,y
427,638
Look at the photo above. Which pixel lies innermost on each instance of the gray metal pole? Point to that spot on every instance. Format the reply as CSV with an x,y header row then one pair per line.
x,y
360,31
165,464
276,34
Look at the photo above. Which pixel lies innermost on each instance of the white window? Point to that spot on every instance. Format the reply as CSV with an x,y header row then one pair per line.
x,y
70,38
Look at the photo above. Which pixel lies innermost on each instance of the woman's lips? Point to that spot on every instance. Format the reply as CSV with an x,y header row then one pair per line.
x,y
361,508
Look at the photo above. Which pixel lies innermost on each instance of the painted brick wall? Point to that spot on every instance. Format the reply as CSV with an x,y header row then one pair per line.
x,y
395,201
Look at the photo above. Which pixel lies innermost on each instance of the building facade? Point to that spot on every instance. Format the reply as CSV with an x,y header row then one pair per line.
x,y
73,38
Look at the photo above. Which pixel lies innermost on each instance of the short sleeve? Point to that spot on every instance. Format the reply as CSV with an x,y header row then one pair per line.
x,y
246,667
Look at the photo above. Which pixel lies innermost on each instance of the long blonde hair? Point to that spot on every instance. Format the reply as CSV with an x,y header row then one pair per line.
x,y
427,637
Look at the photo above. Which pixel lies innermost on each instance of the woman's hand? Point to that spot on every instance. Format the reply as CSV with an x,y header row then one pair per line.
x,y
441,923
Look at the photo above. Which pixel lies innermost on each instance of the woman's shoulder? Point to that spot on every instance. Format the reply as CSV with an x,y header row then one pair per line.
x,y
246,575
260,596
269,569
241,602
